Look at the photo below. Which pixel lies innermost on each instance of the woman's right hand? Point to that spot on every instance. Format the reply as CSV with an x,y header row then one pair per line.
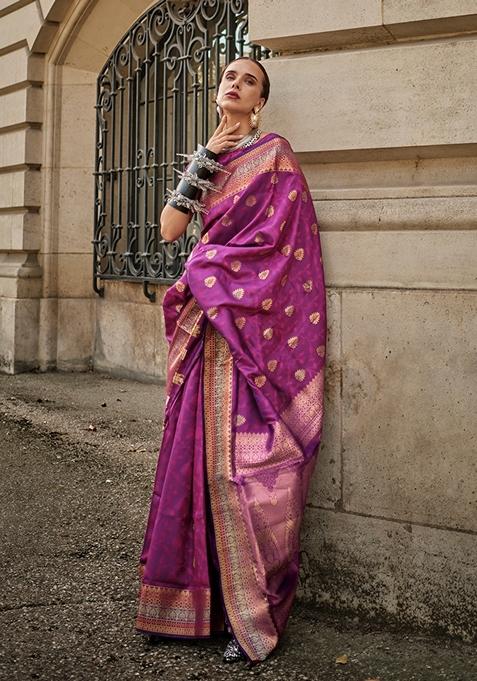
x,y
224,137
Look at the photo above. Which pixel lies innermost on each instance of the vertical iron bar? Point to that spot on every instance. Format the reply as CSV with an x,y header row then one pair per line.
x,y
129,176
147,62
112,174
137,138
205,99
120,156
165,134
155,212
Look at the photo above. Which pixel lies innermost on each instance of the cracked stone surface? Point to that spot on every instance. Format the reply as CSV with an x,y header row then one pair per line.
x,y
78,454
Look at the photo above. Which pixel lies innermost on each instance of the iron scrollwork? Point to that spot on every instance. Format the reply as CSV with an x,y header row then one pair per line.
x,y
154,101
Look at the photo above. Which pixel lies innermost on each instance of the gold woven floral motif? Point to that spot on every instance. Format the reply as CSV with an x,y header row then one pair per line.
x,y
267,303
314,317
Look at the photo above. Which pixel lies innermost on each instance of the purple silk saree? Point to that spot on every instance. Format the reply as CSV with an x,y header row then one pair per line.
x,y
246,327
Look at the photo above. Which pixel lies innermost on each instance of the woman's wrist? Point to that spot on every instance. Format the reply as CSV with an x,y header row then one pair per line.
x,y
194,180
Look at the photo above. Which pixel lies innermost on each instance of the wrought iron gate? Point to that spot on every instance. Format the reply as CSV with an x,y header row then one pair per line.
x,y
154,100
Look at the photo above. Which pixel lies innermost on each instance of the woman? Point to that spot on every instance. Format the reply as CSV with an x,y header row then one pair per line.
x,y
246,327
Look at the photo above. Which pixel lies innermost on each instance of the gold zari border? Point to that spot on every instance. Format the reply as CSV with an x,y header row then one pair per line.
x,y
177,612
245,600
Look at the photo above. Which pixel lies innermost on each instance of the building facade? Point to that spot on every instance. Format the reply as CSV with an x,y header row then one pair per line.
x,y
378,99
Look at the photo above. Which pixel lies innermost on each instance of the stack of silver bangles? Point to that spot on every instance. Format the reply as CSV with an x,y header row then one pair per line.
x,y
195,180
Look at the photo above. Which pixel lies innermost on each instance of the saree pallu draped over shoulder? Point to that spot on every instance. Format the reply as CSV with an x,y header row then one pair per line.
x,y
246,327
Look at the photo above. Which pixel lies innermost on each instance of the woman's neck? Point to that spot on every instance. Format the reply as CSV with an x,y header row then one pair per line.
x,y
244,128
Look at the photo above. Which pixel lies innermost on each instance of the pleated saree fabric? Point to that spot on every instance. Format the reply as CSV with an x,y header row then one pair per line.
x,y
246,328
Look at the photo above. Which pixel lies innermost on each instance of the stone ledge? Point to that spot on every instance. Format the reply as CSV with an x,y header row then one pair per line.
x,y
400,259
385,102
399,213
326,24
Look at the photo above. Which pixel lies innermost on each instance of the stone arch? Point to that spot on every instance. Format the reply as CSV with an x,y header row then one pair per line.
x,y
77,328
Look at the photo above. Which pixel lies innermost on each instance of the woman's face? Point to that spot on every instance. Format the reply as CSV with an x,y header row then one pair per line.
x,y
244,79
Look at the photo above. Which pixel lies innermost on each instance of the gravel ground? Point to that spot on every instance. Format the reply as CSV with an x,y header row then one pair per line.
x,y
78,454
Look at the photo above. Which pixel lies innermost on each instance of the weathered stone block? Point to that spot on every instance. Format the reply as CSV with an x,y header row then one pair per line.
x,y
75,334
437,259
409,390
417,575
386,99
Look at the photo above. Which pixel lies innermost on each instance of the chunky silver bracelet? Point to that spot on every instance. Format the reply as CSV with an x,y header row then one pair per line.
x,y
182,200
197,181
194,180
205,161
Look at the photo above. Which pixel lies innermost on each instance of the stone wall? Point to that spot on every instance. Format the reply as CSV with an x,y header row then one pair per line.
x,y
378,99
50,56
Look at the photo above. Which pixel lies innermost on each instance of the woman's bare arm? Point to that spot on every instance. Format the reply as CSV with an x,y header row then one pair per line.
x,y
173,222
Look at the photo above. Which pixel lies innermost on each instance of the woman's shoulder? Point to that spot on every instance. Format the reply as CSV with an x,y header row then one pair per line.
x,y
278,142
281,147
275,136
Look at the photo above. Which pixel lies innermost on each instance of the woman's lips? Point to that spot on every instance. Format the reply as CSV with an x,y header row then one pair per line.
x,y
232,94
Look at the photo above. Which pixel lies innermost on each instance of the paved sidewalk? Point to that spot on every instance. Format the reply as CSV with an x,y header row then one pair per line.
x,y
77,459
